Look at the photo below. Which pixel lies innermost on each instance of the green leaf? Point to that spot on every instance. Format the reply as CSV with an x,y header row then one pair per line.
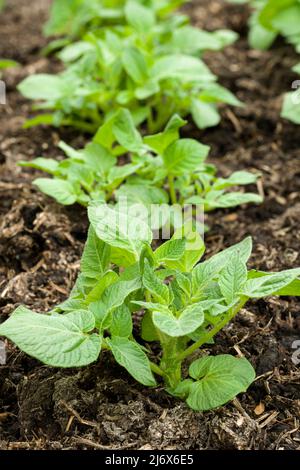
x,y
185,156
226,37
126,132
184,283
219,380
54,46
62,191
260,37
118,174
56,340
142,194
233,277
287,22
182,390
216,93
152,306
96,256
118,229
44,164
121,324
170,251
204,273
131,356
98,158
270,284
61,17
6,63
205,114
234,199
105,136
194,248
149,332
182,67
190,40
109,278
154,285
236,179
114,296
135,64
74,51
159,142
296,68
271,9
189,320
122,258
291,290
70,151
291,107
149,88
43,87
139,17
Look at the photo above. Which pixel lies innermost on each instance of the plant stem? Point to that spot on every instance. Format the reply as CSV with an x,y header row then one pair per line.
x,y
150,121
83,126
172,189
210,334
156,369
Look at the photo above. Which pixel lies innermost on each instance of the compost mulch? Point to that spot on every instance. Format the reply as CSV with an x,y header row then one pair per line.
x,y
101,407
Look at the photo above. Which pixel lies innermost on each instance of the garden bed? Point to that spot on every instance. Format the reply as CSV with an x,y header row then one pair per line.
x,y
41,244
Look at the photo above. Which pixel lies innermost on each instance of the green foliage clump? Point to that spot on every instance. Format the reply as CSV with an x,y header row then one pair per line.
x,y
156,169
147,63
183,304
271,18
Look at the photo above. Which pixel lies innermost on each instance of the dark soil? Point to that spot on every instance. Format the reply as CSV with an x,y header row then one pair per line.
x,y
41,243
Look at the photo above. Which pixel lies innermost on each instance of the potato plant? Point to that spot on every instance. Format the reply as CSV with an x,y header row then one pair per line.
x,y
270,19
156,169
149,65
184,304
155,308
72,18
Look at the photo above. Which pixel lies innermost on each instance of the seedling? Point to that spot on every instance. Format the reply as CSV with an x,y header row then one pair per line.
x,y
73,18
156,169
291,103
270,19
148,65
184,306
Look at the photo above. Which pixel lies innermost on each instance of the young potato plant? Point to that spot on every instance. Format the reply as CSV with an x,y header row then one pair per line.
x,y
291,103
7,64
183,306
150,66
119,164
270,19
131,17
73,18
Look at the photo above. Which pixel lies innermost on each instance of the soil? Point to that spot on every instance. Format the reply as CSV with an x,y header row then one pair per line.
x,y
40,246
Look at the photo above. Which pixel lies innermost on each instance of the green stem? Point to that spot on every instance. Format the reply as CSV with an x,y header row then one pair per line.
x,y
150,121
172,189
210,334
156,369
83,126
